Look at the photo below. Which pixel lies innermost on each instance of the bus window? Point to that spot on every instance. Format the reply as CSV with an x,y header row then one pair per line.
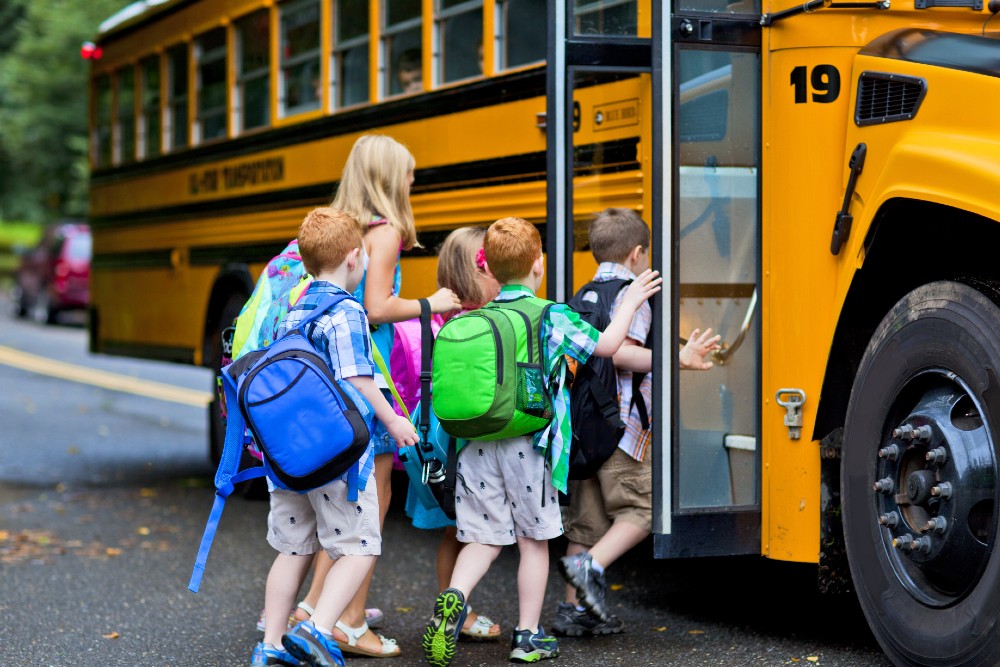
x,y
252,103
460,39
102,122
177,97
717,261
126,114
401,47
300,40
150,130
210,53
350,52
606,17
520,40
721,6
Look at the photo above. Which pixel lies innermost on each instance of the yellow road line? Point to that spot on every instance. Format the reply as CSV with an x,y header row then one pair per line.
x,y
124,383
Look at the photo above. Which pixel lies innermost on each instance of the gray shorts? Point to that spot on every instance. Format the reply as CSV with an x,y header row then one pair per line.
x,y
507,493
303,523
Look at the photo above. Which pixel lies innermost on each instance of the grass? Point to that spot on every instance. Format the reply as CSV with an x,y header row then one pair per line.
x,y
19,235
15,237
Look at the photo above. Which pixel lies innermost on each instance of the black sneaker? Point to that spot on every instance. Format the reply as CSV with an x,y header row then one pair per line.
x,y
578,570
526,646
573,623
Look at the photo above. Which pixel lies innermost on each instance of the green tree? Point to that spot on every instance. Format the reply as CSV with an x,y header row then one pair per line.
x,y
43,105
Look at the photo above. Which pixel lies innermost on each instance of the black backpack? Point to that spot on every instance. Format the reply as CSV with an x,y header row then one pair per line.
x,y
597,426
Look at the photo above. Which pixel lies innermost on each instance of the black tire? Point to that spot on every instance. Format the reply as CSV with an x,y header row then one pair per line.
x,y
255,489
216,424
17,306
928,383
42,310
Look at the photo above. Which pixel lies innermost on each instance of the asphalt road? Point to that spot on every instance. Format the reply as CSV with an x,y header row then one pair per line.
x,y
104,494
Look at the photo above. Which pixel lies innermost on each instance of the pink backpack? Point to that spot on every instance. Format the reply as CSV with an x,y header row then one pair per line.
x,y
404,360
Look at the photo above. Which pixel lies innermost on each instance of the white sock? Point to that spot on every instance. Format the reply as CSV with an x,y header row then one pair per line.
x,y
326,631
595,566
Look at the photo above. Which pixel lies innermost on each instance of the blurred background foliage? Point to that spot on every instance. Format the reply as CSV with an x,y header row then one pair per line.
x,y
44,106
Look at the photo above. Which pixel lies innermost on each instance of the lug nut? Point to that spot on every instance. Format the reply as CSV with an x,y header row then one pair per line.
x,y
891,519
891,452
921,544
885,485
938,524
942,490
907,432
937,455
903,541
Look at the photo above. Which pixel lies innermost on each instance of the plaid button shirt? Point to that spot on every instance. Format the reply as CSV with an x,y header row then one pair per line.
x,y
564,334
634,441
341,338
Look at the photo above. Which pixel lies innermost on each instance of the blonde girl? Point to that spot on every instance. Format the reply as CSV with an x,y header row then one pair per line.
x,y
375,190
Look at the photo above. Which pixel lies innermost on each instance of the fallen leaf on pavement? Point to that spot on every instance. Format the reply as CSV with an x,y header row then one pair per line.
x,y
696,632
660,629
147,493
616,587
143,530
112,635
813,658
113,551
404,610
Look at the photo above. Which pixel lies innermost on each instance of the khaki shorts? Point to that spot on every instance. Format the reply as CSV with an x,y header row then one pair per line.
x,y
303,523
507,493
622,490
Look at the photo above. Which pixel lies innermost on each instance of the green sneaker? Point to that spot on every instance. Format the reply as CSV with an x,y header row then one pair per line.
x,y
526,646
440,636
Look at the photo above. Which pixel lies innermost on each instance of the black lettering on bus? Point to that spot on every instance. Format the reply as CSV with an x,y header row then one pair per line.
x,y
825,82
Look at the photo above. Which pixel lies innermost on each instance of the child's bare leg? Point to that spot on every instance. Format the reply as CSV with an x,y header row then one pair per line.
x,y
354,614
340,585
447,554
320,567
532,577
473,563
622,536
283,583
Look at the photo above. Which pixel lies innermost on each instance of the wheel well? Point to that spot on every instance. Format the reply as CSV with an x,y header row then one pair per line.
x,y
232,279
910,243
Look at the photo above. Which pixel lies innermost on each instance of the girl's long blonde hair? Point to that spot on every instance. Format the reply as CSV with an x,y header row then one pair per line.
x,y
376,182
457,268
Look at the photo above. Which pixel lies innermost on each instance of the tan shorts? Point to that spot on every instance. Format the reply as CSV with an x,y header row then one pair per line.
x,y
622,490
303,523
507,493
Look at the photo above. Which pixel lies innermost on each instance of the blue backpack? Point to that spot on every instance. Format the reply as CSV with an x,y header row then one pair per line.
x,y
306,424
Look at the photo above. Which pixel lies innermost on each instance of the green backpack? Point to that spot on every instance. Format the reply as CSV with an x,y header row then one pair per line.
x,y
488,371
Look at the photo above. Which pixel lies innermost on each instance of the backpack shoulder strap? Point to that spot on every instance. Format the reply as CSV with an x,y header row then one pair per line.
x,y
227,476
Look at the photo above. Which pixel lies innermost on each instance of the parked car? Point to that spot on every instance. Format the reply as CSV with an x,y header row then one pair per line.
x,y
54,276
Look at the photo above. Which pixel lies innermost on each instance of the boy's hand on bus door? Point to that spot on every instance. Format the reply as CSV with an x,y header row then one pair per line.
x,y
401,430
444,301
698,346
645,285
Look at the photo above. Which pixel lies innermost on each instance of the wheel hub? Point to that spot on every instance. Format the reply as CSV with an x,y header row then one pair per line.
x,y
935,488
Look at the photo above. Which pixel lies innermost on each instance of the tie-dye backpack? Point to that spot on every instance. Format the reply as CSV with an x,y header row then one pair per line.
x,y
281,283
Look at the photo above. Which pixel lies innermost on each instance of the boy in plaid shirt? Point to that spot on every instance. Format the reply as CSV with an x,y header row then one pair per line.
x,y
509,486
612,512
299,524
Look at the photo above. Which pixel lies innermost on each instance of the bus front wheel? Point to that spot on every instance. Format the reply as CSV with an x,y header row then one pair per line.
x,y
919,478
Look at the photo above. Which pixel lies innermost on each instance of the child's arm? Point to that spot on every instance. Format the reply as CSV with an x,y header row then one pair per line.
x,y
692,356
644,286
399,427
632,356
382,243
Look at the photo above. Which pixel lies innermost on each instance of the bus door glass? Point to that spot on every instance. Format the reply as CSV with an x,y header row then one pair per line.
x,y
709,504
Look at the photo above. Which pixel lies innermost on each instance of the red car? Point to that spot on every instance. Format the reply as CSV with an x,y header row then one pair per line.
x,y
55,275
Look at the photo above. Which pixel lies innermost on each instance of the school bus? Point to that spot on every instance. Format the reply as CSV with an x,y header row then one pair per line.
x,y
822,183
